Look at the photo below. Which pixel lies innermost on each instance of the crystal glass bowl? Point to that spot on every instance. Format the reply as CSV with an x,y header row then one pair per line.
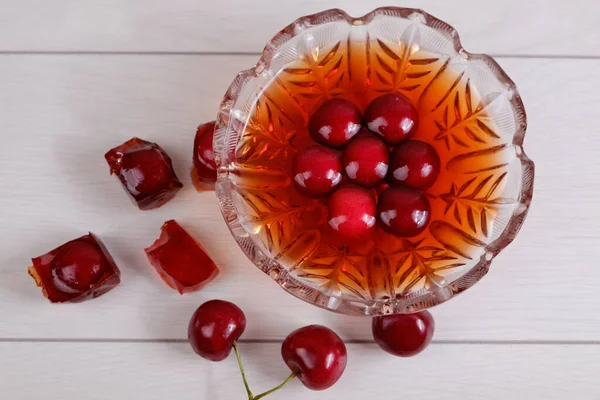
x,y
469,108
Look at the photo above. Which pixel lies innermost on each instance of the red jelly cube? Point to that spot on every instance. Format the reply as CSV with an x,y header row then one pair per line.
x,y
145,171
78,270
204,172
179,260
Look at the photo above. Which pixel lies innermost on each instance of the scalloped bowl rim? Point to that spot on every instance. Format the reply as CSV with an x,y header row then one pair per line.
x,y
418,301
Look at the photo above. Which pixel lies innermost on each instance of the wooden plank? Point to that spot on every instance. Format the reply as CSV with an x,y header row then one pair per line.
x,y
167,370
537,27
61,113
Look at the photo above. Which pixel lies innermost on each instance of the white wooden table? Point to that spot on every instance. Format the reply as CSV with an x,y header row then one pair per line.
x,y
78,77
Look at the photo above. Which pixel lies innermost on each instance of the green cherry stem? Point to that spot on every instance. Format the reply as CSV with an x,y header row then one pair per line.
x,y
239,361
276,388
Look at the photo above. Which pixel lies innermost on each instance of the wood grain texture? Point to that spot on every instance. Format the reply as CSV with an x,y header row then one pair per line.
x,y
536,27
101,371
60,114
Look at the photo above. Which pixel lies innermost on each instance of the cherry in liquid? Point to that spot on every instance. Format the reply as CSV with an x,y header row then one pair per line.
x,y
393,117
366,161
403,211
317,171
352,213
335,123
414,163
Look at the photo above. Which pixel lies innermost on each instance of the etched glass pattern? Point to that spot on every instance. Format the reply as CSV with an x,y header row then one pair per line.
x,y
470,111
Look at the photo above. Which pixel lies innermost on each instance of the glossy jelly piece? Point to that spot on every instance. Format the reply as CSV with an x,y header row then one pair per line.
x,y
78,270
179,260
145,171
204,172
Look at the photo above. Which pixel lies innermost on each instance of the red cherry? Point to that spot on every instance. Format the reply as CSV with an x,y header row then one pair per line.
x,y
403,211
316,354
204,158
403,335
415,164
365,160
393,117
335,122
77,267
214,327
317,170
352,213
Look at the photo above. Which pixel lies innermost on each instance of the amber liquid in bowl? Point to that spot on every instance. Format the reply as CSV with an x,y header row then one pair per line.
x,y
466,200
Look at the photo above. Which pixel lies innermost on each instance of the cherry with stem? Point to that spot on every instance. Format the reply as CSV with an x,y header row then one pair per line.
x,y
276,388
239,361
248,391
315,354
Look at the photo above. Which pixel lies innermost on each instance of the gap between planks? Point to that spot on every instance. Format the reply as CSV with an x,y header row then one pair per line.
x,y
276,341
243,53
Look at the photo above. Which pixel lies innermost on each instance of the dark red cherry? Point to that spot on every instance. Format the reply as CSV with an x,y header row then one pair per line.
x,y
365,160
403,211
316,354
77,266
393,117
214,327
145,171
352,213
403,335
204,159
317,171
335,123
415,164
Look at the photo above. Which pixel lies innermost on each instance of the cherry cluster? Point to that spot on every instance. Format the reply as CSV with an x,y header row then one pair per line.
x,y
315,354
368,167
